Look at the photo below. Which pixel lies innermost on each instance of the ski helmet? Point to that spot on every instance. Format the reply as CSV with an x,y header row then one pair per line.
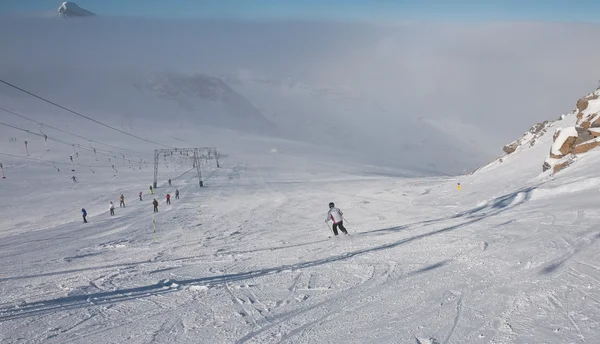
x,y
331,205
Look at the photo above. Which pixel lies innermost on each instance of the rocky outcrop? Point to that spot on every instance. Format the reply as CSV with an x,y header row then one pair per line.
x,y
510,148
561,166
585,147
530,137
571,141
580,136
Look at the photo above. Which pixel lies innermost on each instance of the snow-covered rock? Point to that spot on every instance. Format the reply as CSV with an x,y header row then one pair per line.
x,y
71,9
576,133
564,140
530,137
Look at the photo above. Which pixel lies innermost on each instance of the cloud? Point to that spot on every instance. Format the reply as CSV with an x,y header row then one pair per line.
x,y
498,77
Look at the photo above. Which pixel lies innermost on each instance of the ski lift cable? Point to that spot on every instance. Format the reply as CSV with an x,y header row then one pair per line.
x,y
80,115
79,136
52,162
57,140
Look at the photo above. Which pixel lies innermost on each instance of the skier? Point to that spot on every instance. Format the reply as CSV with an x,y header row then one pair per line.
x,y
176,193
168,199
336,215
155,203
169,181
141,196
84,214
151,189
74,179
122,204
112,208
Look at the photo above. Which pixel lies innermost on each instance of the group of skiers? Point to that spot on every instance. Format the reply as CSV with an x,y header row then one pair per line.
x,y
334,214
111,205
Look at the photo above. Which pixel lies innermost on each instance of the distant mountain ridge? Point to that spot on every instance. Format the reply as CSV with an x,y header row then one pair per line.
x,y
70,9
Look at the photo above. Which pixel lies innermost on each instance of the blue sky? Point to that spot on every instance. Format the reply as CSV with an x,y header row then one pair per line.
x,y
447,10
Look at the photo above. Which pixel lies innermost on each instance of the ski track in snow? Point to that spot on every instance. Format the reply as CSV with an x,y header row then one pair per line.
x,y
247,259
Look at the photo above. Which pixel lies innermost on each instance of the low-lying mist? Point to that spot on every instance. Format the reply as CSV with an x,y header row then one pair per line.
x,y
435,98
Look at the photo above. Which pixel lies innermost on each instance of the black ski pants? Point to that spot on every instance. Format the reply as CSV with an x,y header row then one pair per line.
x,y
341,226
84,220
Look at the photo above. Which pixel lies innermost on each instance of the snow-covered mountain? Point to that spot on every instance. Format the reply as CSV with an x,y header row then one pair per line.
x,y
70,9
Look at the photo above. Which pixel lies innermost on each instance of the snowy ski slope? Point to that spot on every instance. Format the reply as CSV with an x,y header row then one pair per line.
x,y
510,258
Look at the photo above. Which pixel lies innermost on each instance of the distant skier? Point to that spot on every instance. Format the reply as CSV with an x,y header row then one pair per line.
x,y
84,214
122,204
155,203
141,196
74,179
169,181
168,199
335,214
176,193
151,189
111,207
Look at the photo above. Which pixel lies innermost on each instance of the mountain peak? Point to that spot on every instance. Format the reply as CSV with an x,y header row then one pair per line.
x,y
71,9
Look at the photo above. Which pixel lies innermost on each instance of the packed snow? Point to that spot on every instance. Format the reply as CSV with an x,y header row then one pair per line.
x,y
248,258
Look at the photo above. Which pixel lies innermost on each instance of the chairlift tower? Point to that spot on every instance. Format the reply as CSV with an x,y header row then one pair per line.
x,y
211,153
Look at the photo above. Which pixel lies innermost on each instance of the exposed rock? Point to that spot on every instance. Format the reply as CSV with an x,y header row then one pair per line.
x,y
585,147
567,146
546,166
510,148
538,127
555,136
531,136
583,135
582,104
561,166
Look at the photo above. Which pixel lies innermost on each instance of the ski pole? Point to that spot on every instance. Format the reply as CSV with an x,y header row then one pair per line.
x,y
154,224
345,219
328,226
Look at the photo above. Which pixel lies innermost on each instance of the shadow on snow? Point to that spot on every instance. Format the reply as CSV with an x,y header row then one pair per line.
x,y
42,307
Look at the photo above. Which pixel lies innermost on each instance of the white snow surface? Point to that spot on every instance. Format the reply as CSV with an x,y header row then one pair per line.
x,y
510,258
248,259
564,134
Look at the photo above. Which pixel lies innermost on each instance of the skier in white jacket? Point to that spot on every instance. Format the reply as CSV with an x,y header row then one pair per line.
x,y
335,214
